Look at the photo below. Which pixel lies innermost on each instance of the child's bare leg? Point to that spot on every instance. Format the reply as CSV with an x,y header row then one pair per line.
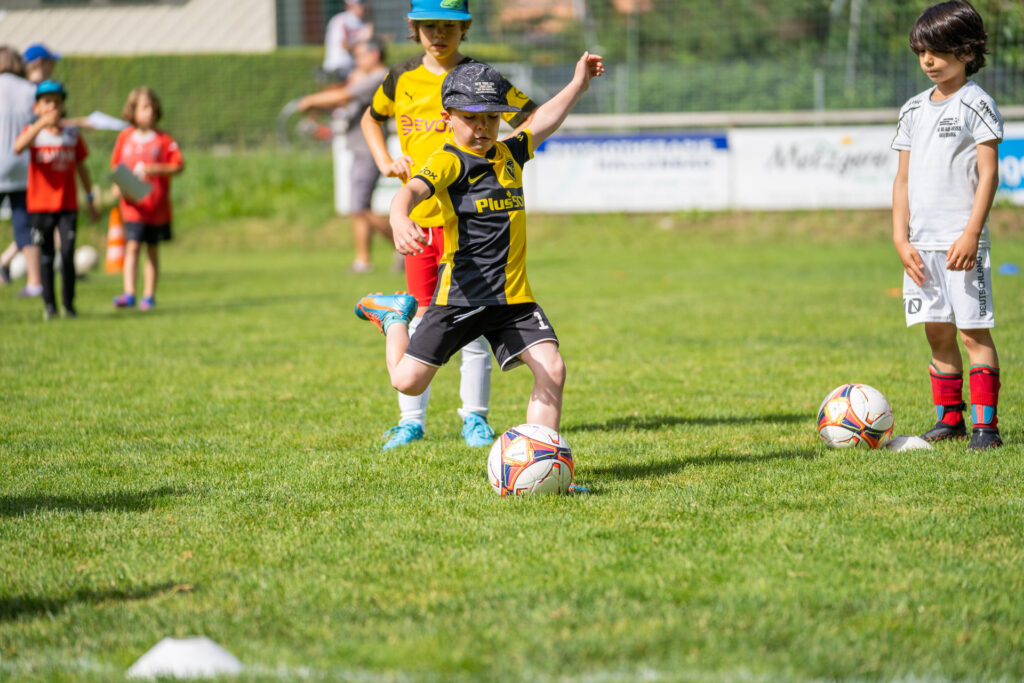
x,y
152,271
981,350
131,266
545,406
8,255
408,375
945,351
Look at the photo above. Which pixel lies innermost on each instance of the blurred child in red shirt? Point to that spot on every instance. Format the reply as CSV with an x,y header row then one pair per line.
x,y
153,156
56,155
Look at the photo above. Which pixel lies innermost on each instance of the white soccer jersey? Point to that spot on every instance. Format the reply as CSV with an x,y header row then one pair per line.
x,y
942,138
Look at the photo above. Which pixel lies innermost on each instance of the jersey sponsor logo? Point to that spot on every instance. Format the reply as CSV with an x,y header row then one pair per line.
x,y
987,111
408,125
428,173
913,306
510,166
949,127
56,155
512,202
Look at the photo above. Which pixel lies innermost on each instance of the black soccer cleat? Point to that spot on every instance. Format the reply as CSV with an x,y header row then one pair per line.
x,y
983,438
942,431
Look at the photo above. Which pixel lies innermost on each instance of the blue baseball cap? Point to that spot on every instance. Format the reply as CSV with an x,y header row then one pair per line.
x,y
39,51
50,87
457,10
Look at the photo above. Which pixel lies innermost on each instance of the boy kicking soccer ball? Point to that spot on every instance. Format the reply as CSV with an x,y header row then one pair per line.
x,y
948,139
482,287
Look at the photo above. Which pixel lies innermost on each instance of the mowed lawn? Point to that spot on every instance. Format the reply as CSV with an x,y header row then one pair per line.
x,y
212,468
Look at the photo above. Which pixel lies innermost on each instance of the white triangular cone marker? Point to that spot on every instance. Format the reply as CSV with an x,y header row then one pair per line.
x,y
185,658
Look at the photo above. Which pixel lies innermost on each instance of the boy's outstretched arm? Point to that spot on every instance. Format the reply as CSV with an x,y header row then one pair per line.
x,y
550,115
408,235
913,265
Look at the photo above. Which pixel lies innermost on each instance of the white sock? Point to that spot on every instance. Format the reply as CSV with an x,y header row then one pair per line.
x,y
475,386
414,408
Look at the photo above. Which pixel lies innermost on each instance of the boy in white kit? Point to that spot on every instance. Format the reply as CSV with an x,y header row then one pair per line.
x,y
948,139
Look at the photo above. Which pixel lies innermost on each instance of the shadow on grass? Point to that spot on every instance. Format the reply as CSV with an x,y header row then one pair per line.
x,y
650,470
118,501
29,606
653,422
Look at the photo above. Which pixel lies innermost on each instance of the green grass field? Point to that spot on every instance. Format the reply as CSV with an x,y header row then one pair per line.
x,y
212,468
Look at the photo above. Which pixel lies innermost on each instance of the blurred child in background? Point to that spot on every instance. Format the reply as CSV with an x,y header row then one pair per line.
x,y
153,156
56,155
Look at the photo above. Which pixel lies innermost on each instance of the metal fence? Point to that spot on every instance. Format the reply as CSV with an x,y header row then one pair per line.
x,y
720,55
663,56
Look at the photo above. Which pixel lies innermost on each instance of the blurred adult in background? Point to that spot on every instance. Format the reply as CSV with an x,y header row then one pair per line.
x,y
17,97
344,31
39,62
348,103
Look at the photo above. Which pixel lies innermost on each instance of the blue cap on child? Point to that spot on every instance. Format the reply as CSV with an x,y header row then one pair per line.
x,y
457,10
51,87
39,51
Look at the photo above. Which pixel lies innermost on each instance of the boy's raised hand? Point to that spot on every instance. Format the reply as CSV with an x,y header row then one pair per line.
x,y
589,66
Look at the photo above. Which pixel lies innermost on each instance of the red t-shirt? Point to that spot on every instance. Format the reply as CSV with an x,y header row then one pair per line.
x,y
135,150
53,160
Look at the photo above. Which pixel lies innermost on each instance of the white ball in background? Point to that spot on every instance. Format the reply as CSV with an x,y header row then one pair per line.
x,y
86,258
18,266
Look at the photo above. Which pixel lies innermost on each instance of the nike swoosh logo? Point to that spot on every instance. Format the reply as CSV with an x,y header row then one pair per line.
x,y
473,180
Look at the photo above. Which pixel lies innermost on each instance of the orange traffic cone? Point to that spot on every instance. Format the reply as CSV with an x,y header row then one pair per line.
x,y
115,242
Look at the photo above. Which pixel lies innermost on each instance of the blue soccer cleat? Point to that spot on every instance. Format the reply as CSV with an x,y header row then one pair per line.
x,y
404,434
476,431
383,310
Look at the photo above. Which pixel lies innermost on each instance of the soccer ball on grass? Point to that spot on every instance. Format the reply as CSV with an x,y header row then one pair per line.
x,y
530,459
855,415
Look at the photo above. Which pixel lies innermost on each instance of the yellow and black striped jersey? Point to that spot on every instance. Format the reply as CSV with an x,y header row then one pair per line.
x,y
484,212
412,95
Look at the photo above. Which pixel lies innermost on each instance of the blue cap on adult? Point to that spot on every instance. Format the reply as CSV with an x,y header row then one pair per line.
x,y
51,87
39,51
457,10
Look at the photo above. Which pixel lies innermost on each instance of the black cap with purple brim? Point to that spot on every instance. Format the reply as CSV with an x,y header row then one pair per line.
x,y
475,87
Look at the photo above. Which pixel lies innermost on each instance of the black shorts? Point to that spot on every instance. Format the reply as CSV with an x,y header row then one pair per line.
x,y
145,232
510,329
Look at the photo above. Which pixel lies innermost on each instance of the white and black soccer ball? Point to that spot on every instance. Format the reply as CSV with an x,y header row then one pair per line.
x,y
855,415
530,458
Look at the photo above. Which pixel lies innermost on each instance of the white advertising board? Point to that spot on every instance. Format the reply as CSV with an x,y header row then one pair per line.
x,y
648,172
746,168
805,168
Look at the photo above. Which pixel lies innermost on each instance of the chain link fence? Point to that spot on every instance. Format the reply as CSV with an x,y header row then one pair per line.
x,y
662,56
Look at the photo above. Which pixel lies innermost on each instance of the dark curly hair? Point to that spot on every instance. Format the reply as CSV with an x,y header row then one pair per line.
x,y
952,27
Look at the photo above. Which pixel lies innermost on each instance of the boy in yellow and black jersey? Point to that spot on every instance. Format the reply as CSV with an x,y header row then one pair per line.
x,y
411,95
482,287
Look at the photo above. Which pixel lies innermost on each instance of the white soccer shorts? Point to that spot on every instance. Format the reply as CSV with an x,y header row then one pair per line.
x,y
961,297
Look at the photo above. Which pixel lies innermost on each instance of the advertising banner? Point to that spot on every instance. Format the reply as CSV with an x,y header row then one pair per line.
x,y
645,172
1011,163
809,168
